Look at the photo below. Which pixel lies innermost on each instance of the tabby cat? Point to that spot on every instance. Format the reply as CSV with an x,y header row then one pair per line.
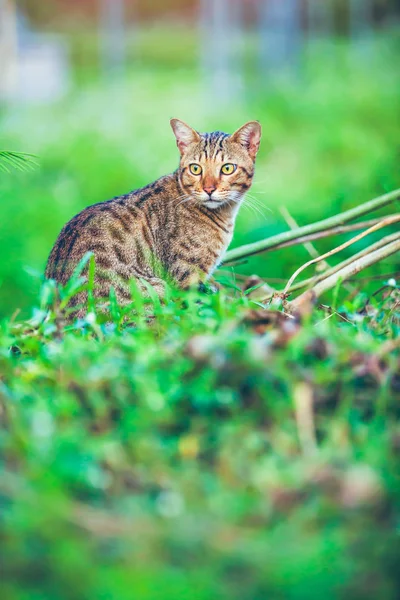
x,y
174,229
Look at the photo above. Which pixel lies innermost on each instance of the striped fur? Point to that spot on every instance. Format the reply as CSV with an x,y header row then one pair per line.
x,y
169,230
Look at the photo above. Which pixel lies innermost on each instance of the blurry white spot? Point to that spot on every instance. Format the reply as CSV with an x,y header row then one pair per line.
x,y
42,424
53,349
170,504
98,478
91,318
43,70
38,317
361,485
155,401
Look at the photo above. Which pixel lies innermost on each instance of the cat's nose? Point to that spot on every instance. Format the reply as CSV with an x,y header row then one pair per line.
x,y
209,190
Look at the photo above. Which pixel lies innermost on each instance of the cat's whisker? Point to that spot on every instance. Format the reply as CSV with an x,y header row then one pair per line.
x,y
257,210
258,193
250,204
261,201
252,210
185,199
263,209
257,202
261,180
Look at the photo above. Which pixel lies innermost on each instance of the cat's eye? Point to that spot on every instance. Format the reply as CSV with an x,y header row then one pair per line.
x,y
195,169
228,169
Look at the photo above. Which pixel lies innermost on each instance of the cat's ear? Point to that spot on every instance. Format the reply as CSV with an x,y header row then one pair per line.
x,y
249,136
184,134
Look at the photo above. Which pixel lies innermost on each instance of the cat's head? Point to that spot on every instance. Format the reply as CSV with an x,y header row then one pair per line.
x,y
216,168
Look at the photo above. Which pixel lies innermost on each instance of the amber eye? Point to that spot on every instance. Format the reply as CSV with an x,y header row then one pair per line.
x,y
195,169
228,169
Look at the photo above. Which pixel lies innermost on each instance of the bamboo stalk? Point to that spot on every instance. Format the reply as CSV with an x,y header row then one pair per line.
x,y
313,228
345,273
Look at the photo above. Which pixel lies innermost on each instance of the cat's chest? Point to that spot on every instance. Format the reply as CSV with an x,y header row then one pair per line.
x,y
209,241
196,239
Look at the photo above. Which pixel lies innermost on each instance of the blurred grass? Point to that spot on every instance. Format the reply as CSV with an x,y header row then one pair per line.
x,y
330,141
167,461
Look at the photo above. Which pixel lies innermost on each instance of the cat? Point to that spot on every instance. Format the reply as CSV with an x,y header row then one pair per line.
x,y
175,229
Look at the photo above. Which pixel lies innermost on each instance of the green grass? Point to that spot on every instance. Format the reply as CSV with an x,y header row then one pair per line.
x,y
165,459
202,453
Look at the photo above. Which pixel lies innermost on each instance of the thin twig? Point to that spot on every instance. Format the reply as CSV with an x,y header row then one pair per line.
x,y
351,269
332,312
312,251
313,280
376,277
312,228
388,221
332,231
303,239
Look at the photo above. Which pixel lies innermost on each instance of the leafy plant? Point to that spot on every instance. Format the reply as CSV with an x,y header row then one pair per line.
x,y
216,448
17,160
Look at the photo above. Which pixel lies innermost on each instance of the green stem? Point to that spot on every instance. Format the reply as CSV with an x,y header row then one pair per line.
x,y
276,240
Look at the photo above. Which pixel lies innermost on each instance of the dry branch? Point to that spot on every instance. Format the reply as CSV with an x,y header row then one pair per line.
x,y
388,221
327,233
302,234
312,251
379,244
345,273
303,403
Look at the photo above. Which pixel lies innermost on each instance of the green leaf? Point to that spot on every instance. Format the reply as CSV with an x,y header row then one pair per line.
x,y
17,160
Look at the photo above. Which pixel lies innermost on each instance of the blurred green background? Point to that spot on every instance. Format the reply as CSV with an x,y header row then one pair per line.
x,y
171,460
328,105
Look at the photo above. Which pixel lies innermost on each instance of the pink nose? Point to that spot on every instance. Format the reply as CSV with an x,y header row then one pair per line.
x,y
209,190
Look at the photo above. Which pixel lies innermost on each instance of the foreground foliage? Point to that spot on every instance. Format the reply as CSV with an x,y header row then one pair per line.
x,y
217,450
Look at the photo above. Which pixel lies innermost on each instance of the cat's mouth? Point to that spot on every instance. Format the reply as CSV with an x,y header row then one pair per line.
x,y
218,201
213,203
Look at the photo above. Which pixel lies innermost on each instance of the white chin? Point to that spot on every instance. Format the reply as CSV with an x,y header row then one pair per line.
x,y
213,203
